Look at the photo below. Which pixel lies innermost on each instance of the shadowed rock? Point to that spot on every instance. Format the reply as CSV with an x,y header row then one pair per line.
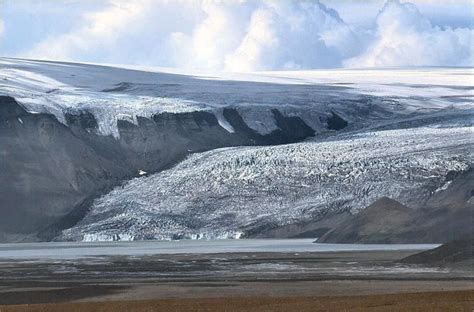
x,y
453,252
374,224
335,122
51,172
447,215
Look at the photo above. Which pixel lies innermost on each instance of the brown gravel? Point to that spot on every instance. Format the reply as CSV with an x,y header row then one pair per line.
x,y
428,301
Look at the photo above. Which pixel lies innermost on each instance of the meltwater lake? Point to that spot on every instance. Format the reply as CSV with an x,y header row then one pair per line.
x,y
74,250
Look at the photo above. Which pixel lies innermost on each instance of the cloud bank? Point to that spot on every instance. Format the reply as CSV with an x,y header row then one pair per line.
x,y
404,37
248,35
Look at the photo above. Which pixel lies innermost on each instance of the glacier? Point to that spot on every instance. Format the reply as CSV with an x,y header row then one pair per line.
x,y
113,92
234,190
154,153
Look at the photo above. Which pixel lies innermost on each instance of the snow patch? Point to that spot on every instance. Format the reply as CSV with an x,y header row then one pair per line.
x,y
443,187
56,88
223,122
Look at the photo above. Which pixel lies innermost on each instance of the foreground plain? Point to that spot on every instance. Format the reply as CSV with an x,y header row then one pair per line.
x,y
429,301
374,280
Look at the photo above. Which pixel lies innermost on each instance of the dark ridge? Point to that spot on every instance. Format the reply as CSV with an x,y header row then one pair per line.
x,y
236,121
335,122
122,86
449,253
452,174
255,229
50,173
10,108
205,118
199,118
50,231
82,119
292,129
46,169
296,230
374,224
458,118
446,215
312,228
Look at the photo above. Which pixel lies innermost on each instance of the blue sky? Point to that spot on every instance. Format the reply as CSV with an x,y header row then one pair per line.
x,y
241,35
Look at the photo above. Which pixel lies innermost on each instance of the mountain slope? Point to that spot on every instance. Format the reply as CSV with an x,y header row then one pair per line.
x,y
50,170
375,224
234,191
72,135
457,252
446,215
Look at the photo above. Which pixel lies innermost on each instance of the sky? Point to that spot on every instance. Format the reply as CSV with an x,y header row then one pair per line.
x,y
241,35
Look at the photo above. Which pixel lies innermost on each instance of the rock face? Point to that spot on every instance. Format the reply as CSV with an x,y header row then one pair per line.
x,y
375,224
457,252
46,168
335,122
51,171
447,215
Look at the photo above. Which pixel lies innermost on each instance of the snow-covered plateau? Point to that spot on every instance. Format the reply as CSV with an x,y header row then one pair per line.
x,y
96,152
113,93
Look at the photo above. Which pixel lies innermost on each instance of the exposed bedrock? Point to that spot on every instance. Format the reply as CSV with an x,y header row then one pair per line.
x,y
447,215
46,169
50,172
456,253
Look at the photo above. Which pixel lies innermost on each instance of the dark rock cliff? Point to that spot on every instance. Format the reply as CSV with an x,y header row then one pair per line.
x,y
446,216
456,252
51,172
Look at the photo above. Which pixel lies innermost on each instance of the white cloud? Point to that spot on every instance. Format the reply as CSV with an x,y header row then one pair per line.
x,y
404,37
209,34
244,35
291,35
101,31
264,34
215,36
125,31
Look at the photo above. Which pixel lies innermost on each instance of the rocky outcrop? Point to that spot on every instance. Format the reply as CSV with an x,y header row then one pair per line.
x,y
308,229
50,172
457,252
335,122
375,224
447,215
46,169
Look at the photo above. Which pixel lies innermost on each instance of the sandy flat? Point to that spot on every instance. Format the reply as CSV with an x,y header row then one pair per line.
x,y
364,280
428,301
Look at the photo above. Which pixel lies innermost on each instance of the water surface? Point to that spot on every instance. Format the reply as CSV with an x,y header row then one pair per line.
x,y
72,250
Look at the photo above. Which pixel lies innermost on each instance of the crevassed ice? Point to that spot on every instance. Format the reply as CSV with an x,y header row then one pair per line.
x,y
281,184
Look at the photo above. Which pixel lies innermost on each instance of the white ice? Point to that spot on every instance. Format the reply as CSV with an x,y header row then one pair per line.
x,y
57,88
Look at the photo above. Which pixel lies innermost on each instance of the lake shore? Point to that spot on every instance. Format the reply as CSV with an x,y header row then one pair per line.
x,y
211,275
224,275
